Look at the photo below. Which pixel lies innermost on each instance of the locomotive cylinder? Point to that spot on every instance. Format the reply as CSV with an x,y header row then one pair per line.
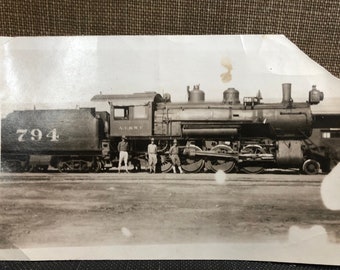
x,y
289,153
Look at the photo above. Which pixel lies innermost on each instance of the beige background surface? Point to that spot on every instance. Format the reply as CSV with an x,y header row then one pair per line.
x,y
311,24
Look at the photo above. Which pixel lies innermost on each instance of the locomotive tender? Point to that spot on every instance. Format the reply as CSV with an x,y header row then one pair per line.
x,y
65,139
227,135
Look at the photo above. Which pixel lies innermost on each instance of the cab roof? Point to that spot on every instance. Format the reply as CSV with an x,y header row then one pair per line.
x,y
130,99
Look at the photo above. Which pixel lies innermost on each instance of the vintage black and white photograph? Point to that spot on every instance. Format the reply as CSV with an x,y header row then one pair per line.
x,y
168,147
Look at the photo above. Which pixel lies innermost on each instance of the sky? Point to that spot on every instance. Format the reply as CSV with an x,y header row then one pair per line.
x,y
69,71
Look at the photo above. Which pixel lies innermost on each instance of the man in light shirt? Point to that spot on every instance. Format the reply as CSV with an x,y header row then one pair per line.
x,y
123,147
152,154
173,153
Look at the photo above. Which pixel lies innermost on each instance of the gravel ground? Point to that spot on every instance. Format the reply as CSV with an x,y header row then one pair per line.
x,y
45,210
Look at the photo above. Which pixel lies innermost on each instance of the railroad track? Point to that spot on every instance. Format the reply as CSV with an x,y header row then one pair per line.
x,y
203,178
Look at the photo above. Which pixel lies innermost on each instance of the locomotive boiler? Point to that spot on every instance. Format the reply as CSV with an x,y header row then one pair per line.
x,y
248,136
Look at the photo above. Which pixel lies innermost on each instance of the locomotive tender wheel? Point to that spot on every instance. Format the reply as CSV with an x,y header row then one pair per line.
x,y
31,168
43,168
13,166
38,168
6,166
192,164
84,168
221,164
310,166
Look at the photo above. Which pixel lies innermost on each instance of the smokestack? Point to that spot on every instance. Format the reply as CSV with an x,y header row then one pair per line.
x,y
286,93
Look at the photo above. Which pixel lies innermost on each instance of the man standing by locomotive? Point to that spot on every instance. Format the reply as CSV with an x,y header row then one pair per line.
x,y
152,154
123,147
173,153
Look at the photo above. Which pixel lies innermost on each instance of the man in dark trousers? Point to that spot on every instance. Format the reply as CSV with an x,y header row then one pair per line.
x,y
123,148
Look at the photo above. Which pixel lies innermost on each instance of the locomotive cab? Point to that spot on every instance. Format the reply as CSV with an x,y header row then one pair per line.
x,y
132,119
131,114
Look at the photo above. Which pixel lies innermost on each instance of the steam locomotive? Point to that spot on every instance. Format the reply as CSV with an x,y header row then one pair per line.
x,y
227,135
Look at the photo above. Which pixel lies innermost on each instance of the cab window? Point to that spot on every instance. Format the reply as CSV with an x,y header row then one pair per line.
x,y
328,134
121,113
140,112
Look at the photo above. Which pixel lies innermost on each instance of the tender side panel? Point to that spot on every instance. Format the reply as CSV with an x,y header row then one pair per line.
x,y
50,131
